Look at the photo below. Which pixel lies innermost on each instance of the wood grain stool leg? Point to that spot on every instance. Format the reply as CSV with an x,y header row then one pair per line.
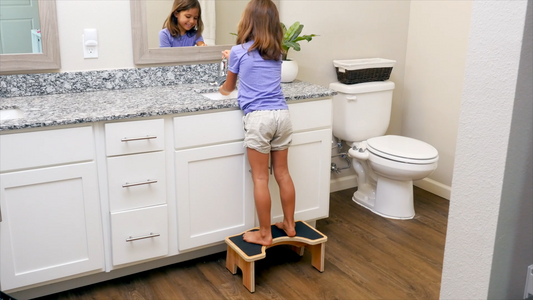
x,y
231,263
318,252
248,274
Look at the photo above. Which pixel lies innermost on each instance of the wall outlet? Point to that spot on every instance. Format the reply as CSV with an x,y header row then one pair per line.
x,y
529,283
90,43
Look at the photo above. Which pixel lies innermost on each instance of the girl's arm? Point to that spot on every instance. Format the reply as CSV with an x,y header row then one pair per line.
x,y
201,43
229,84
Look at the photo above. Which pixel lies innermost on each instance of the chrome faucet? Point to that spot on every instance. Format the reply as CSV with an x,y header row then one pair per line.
x,y
222,73
223,68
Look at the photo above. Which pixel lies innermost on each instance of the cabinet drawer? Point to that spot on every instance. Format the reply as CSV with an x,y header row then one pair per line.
x,y
139,234
134,137
46,148
136,180
208,129
310,115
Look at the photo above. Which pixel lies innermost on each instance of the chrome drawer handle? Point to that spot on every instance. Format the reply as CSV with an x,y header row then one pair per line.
x,y
125,185
151,235
148,137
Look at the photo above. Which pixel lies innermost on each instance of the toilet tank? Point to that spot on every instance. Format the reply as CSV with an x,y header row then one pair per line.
x,y
361,111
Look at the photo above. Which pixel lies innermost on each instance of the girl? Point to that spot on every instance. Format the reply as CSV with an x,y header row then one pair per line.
x,y
184,25
256,60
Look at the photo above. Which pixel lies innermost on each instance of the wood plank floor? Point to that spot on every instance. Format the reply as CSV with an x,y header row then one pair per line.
x,y
367,257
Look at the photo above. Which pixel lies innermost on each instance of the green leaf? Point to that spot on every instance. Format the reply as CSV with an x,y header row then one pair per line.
x,y
305,37
294,45
297,32
291,37
290,32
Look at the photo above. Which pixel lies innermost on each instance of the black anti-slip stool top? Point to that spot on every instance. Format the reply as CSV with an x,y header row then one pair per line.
x,y
252,252
243,254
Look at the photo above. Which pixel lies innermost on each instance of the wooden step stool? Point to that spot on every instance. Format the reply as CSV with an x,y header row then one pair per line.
x,y
243,254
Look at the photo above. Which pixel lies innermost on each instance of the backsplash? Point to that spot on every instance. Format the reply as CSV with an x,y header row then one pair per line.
x,y
90,81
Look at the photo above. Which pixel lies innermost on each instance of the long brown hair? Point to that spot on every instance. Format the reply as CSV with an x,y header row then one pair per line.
x,y
171,23
260,23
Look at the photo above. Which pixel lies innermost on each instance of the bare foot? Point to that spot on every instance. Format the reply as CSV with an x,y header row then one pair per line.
x,y
255,237
289,229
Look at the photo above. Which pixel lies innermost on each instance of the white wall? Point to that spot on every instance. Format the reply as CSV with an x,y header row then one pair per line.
x,y
348,30
428,40
111,19
491,176
434,73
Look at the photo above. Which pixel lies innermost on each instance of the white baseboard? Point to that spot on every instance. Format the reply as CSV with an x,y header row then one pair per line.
x,y
432,186
342,183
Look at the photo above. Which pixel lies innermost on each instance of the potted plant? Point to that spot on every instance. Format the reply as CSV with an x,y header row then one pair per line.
x,y
291,37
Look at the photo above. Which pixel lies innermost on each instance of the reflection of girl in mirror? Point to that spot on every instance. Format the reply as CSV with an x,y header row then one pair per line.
x,y
184,25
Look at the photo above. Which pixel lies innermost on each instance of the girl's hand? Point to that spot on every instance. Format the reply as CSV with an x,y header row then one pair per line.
x,y
201,44
225,53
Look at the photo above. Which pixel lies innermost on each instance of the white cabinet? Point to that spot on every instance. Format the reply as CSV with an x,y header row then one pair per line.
x,y
139,234
213,182
51,222
309,162
136,172
309,167
214,186
185,175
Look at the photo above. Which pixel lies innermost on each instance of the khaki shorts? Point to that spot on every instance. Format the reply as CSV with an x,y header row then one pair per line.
x,y
267,130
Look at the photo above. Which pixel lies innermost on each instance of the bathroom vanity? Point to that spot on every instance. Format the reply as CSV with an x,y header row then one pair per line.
x,y
103,184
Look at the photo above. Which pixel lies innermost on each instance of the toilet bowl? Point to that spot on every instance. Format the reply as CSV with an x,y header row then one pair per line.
x,y
386,165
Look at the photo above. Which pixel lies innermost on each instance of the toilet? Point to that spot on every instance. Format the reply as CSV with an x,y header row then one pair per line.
x,y
386,165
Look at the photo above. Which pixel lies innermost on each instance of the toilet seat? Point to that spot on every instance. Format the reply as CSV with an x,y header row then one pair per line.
x,y
402,149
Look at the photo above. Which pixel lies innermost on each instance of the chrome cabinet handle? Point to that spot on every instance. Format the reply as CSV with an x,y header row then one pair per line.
x,y
151,235
125,185
129,139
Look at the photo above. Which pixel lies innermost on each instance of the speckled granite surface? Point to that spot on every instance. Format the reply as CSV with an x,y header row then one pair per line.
x,y
83,107
90,81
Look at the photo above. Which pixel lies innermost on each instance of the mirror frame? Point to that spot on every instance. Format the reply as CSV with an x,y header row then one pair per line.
x,y
142,55
50,58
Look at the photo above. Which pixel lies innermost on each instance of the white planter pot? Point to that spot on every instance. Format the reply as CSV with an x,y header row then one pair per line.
x,y
289,71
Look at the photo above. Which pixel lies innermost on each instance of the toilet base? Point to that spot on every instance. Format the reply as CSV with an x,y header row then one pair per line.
x,y
390,198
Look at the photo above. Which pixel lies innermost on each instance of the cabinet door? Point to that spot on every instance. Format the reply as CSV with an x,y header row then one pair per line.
x,y
309,165
51,225
214,194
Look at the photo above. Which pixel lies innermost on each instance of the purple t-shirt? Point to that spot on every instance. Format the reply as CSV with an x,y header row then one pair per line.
x,y
259,79
167,40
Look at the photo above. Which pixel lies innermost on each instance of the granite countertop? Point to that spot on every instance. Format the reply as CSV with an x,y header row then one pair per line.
x,y
85,107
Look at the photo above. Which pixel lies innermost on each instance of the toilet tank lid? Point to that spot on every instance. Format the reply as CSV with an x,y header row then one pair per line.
x,y
360,88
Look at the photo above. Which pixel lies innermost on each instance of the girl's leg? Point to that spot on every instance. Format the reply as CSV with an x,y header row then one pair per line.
x,y
259,163
286,190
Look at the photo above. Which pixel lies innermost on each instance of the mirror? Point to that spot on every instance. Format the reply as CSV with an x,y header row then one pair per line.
x,y
219,17
146,26
20,28
49,59
145,54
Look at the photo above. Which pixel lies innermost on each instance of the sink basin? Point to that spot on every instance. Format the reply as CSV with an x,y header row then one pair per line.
x,y
219,96
10,113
